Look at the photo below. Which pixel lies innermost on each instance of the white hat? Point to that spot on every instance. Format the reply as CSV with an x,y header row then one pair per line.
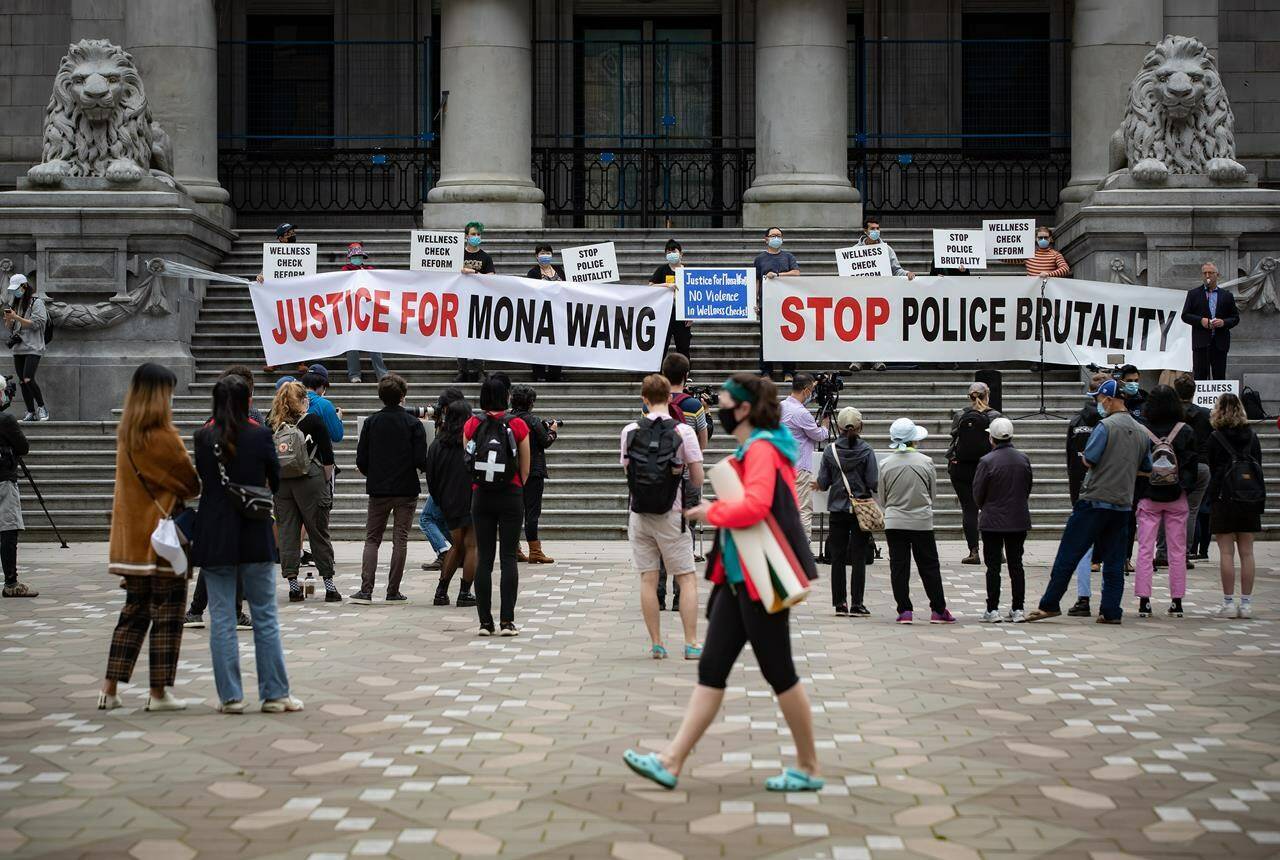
x,y
1001,429
904,432
17,282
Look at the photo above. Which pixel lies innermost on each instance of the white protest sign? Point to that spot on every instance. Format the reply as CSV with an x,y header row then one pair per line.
x,y
1209,390
955,248
591,264
287,260
863,261
436,250
1013,239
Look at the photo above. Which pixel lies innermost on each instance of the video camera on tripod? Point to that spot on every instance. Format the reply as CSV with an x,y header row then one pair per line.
x,y
826,392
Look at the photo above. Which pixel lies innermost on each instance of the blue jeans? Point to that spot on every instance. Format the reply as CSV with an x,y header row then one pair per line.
x,y
260,592
375,358
1087,525
432,523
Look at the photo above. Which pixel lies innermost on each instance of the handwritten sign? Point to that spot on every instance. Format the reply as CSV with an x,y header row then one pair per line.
x,y
715,295
436,250
863,261
1011,239
287,260
955,248
1209,390
591,264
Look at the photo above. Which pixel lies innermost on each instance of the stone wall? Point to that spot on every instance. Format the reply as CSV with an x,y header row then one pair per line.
x,y
1249,57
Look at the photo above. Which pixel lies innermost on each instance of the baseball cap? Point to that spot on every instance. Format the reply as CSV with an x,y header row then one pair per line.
x,y
904,431
284,380
17,282
319,370
849,417
1106,389
356,249
284,228
1001,428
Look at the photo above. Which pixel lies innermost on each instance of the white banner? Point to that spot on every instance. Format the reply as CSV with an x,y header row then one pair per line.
x,y
955,248
863,261
1010,240
1209,390
448,315
436,250
980,318
287,260
591,264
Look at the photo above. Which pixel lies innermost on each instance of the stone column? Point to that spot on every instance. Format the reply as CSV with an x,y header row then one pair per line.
x,y
802,125
1109,39
486,65
175,45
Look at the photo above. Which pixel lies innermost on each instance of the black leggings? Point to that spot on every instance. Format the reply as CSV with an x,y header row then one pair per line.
x,y
533,489
734,620
497,517
26,366
681,333
9,555
998,547
847,545
962,475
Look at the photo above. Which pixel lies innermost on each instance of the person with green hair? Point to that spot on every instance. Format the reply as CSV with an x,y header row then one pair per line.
x,y
474,262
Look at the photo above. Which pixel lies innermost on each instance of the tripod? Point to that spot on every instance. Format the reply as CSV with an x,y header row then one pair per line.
x,y
1041,412
40,497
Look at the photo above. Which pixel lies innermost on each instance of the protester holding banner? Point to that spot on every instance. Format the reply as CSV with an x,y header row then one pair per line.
x,y
871,236
907,490
357,260
285,234
1046,262
1162,497
848,471
665,275
970,442
1212,314
771,263
765,456
474,262
1238,491
545,270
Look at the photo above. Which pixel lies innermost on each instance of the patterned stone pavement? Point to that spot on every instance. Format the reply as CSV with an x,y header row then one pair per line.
x,y
1064,739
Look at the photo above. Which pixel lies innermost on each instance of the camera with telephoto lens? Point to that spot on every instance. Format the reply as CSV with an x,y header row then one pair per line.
x,y
708,394
553,423
421,412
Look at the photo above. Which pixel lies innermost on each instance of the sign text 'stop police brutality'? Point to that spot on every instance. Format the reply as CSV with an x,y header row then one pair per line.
x,y
451,315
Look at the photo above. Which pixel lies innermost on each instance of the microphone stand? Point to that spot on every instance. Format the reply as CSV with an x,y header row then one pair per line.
x,y
1041,412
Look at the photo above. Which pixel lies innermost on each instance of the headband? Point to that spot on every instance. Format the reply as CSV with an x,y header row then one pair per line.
x,y
738,391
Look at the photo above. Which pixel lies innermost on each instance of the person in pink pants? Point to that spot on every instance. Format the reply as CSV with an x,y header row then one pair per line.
x,y
1163,497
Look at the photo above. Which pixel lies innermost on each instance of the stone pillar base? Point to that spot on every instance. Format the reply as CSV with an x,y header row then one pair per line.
x,y
790,201
450,205
87,379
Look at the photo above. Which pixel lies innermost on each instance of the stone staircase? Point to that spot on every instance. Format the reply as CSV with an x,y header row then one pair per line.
x,y
73,462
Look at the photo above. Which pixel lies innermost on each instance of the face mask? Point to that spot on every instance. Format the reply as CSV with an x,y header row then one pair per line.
x,y
357,260
673,258
808,398
544,258
473,241
775,242
729,419
873,235
1102,410
1130,388
1042,243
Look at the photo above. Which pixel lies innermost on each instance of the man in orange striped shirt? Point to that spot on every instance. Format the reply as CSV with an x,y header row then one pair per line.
x,y
1046,262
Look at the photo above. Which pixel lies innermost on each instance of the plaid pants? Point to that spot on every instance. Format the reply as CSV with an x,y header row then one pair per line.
x,y
157,602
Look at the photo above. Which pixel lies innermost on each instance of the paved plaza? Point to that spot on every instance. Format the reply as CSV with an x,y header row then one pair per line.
x,y
1063,739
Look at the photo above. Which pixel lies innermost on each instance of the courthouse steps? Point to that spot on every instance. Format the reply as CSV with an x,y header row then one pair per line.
x,y
586,496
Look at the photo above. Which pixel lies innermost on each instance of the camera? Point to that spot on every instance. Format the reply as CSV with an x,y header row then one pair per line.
x,y
709,395
421,412
826,391
558,422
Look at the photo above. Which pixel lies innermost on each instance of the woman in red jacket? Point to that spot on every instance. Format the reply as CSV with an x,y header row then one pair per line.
x,y
749,411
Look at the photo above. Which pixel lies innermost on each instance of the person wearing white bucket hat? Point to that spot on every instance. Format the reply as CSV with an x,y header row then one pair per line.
x,y
908,481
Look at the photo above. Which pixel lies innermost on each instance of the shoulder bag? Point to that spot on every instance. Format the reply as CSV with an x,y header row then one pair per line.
x,y
252,503
167,540
869,515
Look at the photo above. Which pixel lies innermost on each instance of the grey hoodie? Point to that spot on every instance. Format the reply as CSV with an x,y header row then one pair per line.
x,y
858,462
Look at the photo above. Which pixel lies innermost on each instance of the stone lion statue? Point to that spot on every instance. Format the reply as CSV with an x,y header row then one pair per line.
x,y
1178,119
98,122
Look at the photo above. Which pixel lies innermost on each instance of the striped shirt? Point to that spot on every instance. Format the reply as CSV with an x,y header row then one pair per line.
x,y
1049,262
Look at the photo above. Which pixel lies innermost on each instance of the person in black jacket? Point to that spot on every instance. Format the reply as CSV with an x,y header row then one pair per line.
x,y
1212,315
848,465
449,482
1078,433
1002,491
1162,497
665,276
391,451
545,270
1233,522
13,444
542,435
474,262
228,545
969,444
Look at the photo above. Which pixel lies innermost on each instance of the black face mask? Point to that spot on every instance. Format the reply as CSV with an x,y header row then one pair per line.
x,y
729,419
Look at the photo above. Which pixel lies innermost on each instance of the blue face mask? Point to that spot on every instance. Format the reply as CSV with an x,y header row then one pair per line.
x,y
544,258
673,258
357,260
1102,410
1042,243
873,235
473,241
775,241
1130,388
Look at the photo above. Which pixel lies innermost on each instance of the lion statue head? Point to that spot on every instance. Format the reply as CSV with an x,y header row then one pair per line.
x,y
98,122
1179,119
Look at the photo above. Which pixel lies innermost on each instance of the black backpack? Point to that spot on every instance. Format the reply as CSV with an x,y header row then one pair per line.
x,y
1242,481
492,454
972,442
1251,400
653,465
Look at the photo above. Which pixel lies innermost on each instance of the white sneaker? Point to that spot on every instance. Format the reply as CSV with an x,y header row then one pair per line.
x,y
108,703
42,414
28,418
279,706
1016,616
991,616
1226,610
236,707
1246,610
166,703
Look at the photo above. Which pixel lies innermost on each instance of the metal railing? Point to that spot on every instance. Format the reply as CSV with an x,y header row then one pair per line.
x,y
954,180
350,181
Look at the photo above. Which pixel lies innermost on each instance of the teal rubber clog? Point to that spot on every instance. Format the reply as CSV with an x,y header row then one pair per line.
x,y
650,767
794,780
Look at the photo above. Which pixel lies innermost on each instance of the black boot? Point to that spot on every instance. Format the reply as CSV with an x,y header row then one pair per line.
x,y
442,595
1081,609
